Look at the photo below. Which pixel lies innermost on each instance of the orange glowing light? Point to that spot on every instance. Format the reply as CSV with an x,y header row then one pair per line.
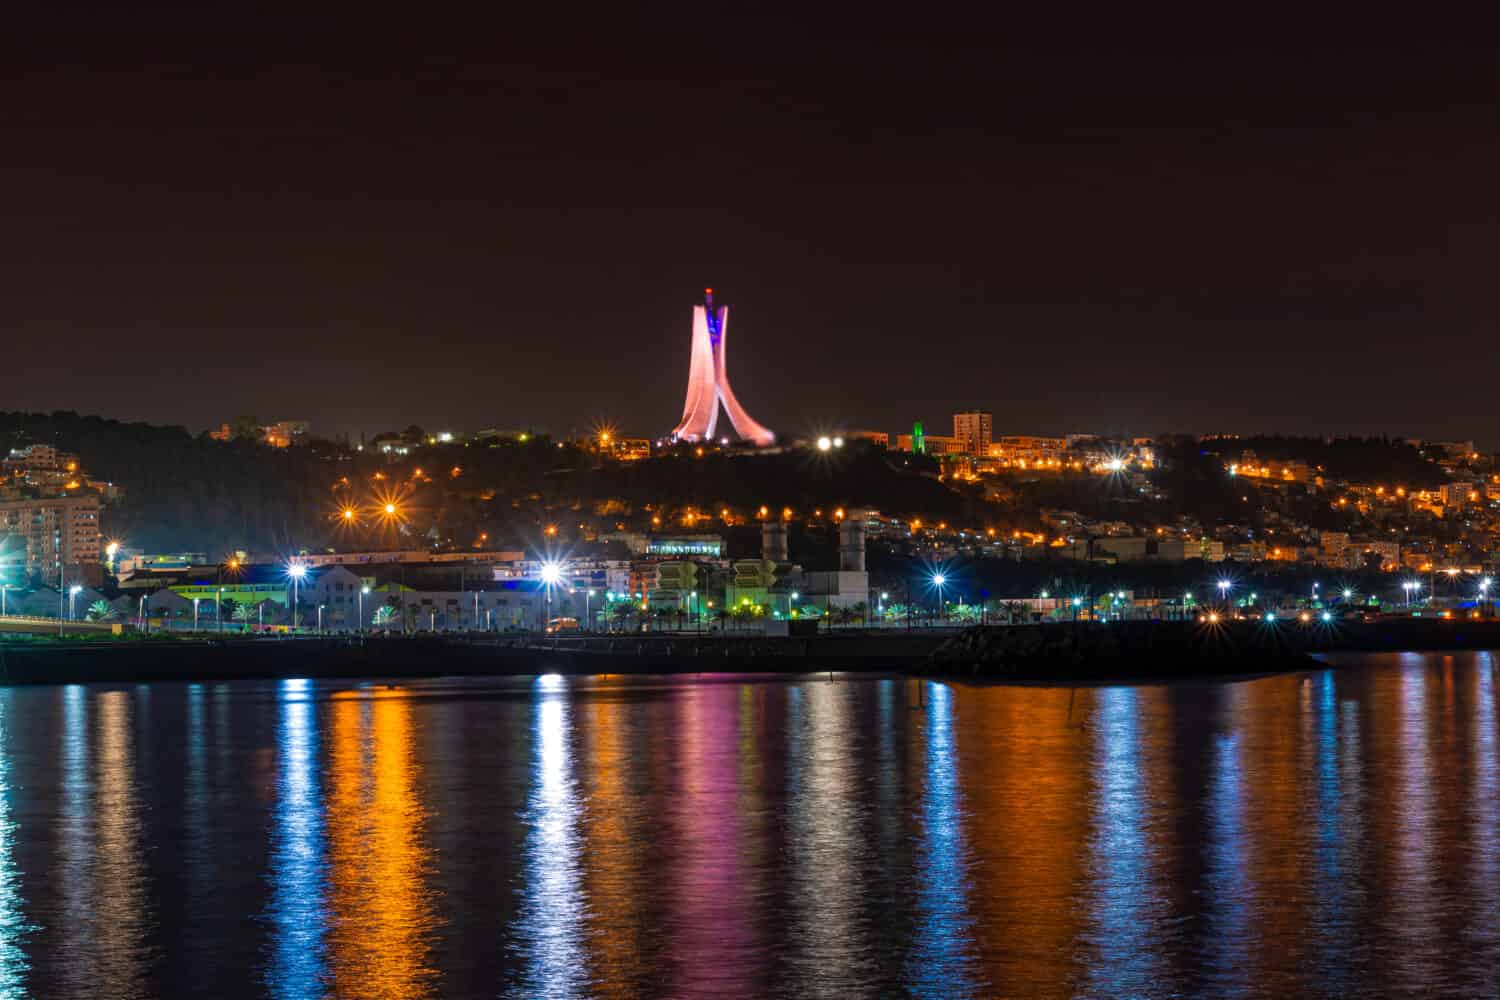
x,y
551,531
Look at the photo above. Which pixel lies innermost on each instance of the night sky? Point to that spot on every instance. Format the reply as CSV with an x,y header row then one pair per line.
x,y
1110,227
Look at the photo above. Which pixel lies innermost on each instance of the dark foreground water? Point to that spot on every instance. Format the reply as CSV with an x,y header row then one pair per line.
x,y
1333,834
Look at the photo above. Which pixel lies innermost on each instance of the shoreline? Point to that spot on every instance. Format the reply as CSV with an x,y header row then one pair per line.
x,y
1051,653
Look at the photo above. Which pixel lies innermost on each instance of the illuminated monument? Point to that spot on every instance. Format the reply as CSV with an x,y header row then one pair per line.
x,y
708,382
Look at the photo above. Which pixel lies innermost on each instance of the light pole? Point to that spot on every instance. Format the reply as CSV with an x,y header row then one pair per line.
x,y
320,618
476,611
938,580
3,588
219,613
1484,589
363,591
1224,586
298,572
588,608
551,577
195,614
73,593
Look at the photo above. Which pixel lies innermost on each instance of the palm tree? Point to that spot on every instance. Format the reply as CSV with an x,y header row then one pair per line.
x,y
384,616
99,611
244,614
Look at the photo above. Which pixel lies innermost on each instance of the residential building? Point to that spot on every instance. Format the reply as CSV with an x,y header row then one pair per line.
x,y
1029,451
879,439
973,429
932,444
61,533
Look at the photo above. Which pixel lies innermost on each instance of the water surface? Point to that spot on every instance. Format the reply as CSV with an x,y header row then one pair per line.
x,y
1334,833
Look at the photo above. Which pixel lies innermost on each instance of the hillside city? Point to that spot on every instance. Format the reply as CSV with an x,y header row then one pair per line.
x,y
265,526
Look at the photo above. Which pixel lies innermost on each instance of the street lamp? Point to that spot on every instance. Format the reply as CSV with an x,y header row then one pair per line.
x,y
73,593
1224,586
551,577
363,591
298,573
195,614
938,579
219,612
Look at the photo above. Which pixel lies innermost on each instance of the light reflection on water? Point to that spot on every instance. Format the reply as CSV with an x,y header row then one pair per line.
x,y
549,934
1329,834
941,963
298,911
1126,902
13,925
381,922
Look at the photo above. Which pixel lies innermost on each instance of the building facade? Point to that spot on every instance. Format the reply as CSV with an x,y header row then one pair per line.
x,y
61,534
973,430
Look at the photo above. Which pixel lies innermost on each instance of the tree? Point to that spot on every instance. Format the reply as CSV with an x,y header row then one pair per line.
x,y
100,611
244,614
384,616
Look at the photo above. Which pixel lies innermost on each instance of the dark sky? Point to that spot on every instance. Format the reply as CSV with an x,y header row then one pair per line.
x,y
366,222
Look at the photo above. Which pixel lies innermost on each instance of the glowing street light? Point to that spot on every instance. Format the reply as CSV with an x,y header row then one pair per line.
x,y
825,443
73,593
551,577
363,593
938,580
297,572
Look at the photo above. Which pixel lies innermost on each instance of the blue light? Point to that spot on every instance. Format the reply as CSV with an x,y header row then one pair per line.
x,y
298,907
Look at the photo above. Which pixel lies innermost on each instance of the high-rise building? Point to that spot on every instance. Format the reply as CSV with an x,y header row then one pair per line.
x,y
974,429
59,532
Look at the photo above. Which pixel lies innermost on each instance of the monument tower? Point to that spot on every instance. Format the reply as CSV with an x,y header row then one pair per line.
x,y
708,382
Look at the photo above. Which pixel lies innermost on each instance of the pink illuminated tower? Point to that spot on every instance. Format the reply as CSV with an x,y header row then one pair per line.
x,y
708,382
